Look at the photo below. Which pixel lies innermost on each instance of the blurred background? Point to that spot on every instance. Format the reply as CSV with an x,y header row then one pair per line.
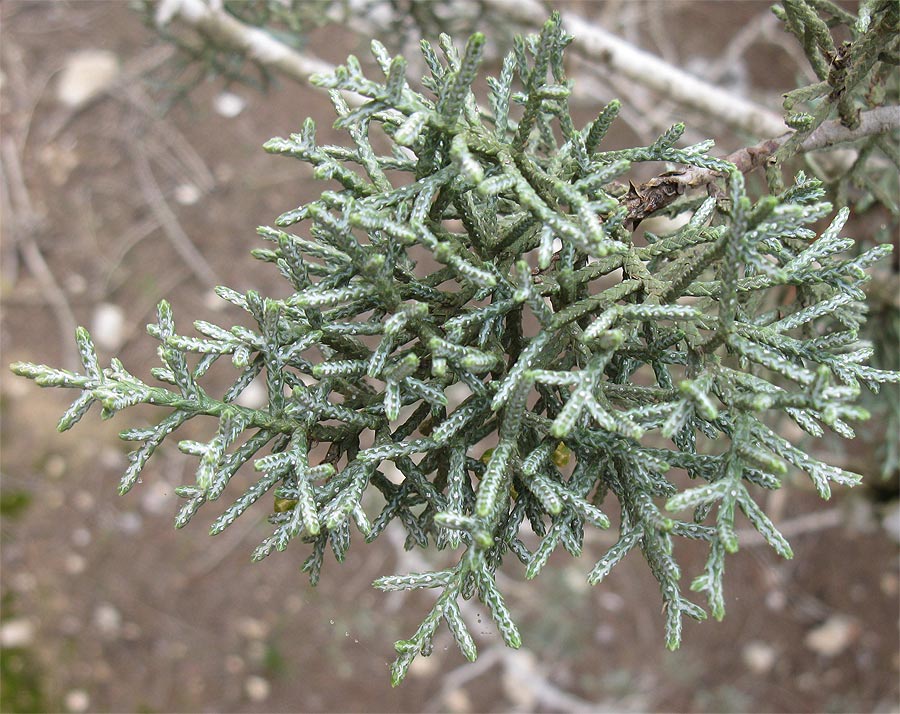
x,y
130,174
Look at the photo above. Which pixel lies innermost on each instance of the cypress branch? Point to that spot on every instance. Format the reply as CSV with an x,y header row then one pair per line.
x,y
552,363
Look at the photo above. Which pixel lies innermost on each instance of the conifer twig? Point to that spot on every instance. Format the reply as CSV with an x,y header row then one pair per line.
x,y
364,354
662,190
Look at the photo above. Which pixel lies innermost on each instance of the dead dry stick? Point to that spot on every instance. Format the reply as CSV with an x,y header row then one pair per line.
x,y
662,190
9,256
136,233
222,548
457,678
180,149
25,223
225,30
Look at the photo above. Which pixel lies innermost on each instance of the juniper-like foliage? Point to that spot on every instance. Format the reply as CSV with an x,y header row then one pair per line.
x,y
637,379
854,59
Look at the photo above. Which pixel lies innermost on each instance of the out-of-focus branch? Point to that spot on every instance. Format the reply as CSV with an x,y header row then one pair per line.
x,y
26,221
224,30
660,191
595,44
622,58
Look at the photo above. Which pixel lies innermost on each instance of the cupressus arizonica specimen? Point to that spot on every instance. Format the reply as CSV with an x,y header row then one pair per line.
x,y
609,375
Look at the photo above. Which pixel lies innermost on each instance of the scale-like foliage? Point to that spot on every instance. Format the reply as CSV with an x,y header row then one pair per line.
x,y
489,250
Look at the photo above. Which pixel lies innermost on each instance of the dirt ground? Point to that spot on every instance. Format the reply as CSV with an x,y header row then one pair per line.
x,y
105,607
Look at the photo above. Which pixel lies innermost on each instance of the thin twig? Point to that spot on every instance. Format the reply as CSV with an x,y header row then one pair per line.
x,y
764,30
9,256
217,553
26,222
180,148
29,90
136,233
169,222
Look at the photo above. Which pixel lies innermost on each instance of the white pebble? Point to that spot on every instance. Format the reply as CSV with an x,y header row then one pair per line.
x,y
254,396
108,326
758,656
75,564
611,601
86,74
16,633
891,522
252,629
833,636
108,620
776,600
81,537
187,194
229,105
257,688
77,700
